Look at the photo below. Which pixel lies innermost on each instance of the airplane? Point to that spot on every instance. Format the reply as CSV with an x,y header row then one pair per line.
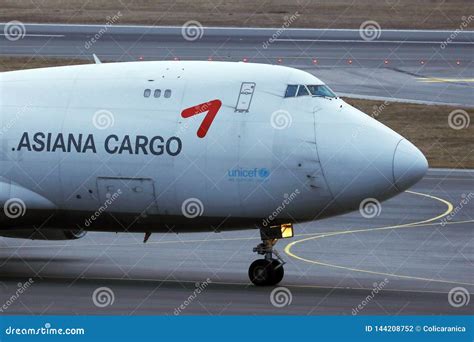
x,y
188,146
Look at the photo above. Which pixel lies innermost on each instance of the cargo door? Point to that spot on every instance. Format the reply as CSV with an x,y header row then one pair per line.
x,y
127,195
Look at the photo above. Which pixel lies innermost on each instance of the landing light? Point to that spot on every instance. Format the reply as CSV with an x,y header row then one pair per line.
x,y
283,231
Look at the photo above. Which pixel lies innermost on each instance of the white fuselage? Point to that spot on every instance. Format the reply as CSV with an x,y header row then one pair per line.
x,y
110,141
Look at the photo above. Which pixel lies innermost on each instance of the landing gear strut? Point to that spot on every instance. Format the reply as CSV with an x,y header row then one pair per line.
x,y
269,271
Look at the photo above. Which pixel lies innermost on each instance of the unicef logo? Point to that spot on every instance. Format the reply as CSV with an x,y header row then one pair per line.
x,y
263,173
255,174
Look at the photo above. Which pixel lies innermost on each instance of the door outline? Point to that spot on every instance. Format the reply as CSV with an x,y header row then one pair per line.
x,y
243,92
151,208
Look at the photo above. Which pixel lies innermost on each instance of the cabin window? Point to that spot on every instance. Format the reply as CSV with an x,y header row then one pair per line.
x,y
147,93
302,91
157,93
291,90
167,93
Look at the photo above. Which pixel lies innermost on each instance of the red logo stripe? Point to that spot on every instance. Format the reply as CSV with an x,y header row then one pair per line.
x,y
211,107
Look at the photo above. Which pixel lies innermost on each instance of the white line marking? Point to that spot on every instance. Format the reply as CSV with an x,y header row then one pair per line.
x,y
450,170
39,35
364,41
248,284
272,29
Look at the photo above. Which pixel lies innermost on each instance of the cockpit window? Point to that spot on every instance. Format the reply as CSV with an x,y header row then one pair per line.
x,y
302,91
321,90
291,90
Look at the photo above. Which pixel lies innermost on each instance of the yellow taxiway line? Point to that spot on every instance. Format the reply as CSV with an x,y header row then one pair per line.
x,y
449,209
423,223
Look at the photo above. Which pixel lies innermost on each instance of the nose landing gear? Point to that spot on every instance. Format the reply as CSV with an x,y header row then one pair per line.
x,y
269,271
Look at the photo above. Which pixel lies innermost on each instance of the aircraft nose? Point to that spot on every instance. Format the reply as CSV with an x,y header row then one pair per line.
x,y
362,158
409,165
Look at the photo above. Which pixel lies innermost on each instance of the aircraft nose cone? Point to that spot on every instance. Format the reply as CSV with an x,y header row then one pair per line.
x,y
409,165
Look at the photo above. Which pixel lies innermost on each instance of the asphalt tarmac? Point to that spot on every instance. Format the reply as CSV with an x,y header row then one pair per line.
x,y
415,66
405,260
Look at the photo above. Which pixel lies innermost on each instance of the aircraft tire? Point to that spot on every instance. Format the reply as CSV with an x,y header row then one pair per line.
x,y
264,272
278,271
261,272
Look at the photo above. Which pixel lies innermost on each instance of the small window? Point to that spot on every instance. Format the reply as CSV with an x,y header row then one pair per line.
x,y
291,90
157,93
147,93
168,93
303,91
